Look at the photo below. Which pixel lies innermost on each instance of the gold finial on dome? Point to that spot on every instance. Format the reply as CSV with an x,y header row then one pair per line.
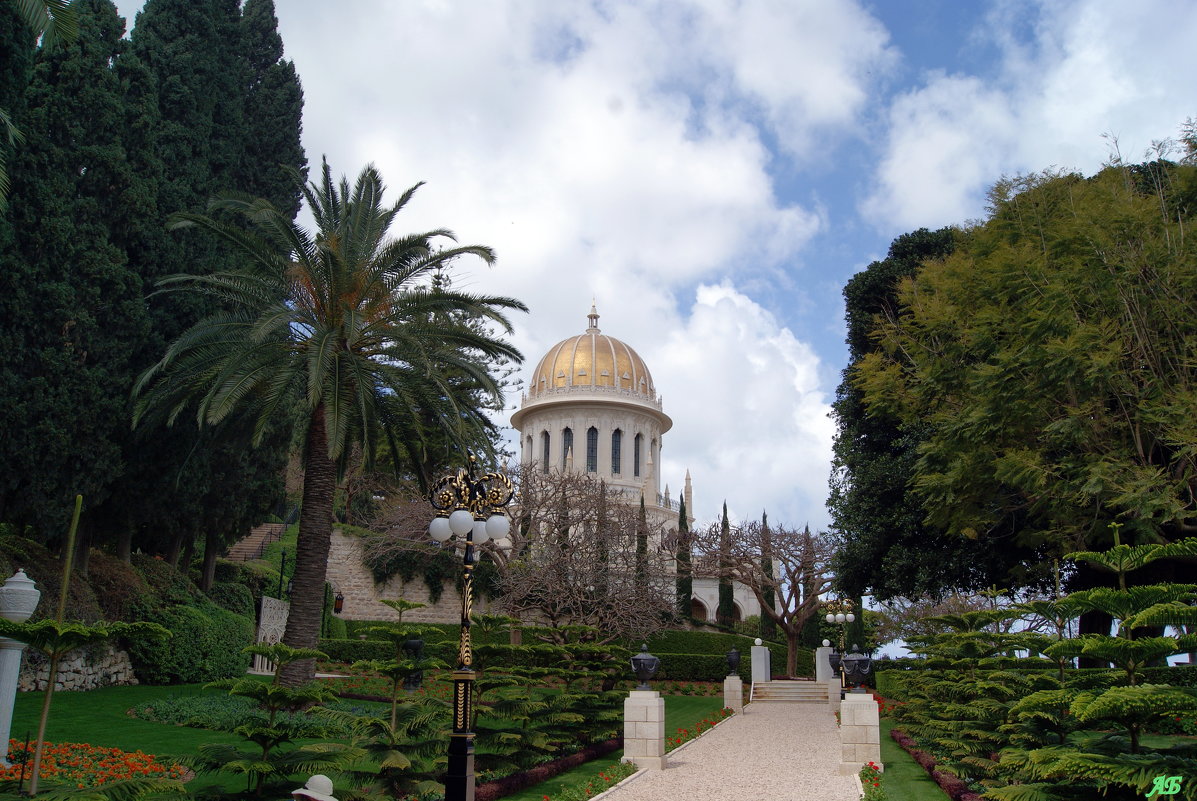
x,y
593,317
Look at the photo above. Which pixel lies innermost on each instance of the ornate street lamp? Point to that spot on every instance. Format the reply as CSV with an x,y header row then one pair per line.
x,y
339,603
469,507
839,612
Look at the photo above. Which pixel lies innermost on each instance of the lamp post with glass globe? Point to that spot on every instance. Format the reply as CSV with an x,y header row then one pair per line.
x,y
469,507
839,612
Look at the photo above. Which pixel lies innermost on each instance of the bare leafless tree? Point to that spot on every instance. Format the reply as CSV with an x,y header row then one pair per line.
x,y
801,571
570,558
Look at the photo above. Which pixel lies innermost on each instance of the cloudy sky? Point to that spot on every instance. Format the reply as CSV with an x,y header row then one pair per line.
x,y
711,173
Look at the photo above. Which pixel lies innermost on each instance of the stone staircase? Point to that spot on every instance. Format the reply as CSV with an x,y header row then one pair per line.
x,y
793,692
252,546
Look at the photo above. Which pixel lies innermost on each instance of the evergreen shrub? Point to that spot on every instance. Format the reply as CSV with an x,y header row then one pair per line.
x,y
890,684
236,598
205,646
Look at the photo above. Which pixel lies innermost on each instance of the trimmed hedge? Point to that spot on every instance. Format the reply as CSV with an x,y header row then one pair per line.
x,y
205,645
890,683
234,597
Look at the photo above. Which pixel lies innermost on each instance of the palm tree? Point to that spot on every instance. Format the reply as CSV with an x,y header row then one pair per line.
x,y
359,331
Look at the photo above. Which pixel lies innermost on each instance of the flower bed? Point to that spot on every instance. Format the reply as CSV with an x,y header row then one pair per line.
x,y
684,735
84,765
870,782
605,780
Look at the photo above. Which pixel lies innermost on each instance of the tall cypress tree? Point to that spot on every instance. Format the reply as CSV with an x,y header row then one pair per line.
x,y
725,612
71,299
230,111
684,559
768,627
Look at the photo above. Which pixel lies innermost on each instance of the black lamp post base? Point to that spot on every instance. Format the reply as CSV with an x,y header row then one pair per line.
x,y
459,779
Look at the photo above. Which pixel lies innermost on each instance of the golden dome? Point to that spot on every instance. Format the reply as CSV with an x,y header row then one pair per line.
x,y
591,360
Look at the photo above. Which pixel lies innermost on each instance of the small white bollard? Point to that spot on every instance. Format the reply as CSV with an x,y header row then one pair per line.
x,y
733,693
860,732
18,599
644,729
760,663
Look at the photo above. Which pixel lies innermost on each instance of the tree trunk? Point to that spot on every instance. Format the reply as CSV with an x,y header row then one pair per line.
x,y
211,551
187,556
1094,622
792,637
176,547
311,551
124,543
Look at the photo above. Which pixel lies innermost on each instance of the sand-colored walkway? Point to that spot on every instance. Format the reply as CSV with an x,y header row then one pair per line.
x,y
769,752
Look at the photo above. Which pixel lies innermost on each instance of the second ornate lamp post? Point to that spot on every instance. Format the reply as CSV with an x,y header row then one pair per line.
x,y
839,612
470,507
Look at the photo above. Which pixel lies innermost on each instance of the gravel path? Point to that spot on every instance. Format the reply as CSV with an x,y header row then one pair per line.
x,y
768,752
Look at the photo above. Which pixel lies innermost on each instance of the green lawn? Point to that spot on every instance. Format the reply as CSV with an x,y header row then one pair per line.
x,y
904,779
99,717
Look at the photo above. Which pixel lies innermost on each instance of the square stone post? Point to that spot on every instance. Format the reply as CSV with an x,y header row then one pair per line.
x,y
733,693
761,671
860,732
823,670
644,729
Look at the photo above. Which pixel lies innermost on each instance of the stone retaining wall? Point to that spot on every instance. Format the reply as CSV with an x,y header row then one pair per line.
x,y
102,665
350,577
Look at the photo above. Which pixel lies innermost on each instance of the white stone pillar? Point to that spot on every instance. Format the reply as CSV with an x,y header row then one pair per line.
x,y
18,599
833,693
761,671
860,732
823,670
644,729
733,693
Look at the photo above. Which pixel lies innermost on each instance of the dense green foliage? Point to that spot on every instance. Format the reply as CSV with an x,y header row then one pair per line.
x,y
119,134
208,644
1043,371
1058,735
885,546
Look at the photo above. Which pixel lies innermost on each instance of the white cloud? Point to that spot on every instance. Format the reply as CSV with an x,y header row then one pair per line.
x,y
1089,69
750,417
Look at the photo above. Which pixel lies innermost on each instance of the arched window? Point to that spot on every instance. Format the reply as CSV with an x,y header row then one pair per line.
x,y
544,451
567,445
529,456
592,450
636,445
616,442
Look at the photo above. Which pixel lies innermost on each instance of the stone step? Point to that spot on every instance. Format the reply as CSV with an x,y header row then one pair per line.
x,y
251,546
790,691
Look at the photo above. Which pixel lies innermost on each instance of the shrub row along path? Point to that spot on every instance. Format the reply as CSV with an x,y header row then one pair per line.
x,y
770,751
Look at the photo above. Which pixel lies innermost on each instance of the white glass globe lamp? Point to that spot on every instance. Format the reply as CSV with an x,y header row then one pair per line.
x,y
480,535
830,618
439,529
497,526
839,618
461,521
850,617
